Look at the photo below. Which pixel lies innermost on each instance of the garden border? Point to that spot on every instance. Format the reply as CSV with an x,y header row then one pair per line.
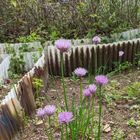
x,y
27,56
20,100
92,57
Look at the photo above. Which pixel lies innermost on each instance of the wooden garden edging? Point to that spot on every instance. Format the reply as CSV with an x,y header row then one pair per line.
x,y
92,57
28,59
27,56
17,46
20,101
4,66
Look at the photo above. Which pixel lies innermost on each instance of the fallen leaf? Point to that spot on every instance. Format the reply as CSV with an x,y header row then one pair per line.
x,y
39,122
107,128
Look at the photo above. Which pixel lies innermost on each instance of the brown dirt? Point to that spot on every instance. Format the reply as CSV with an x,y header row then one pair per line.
x,y
116,113
7,85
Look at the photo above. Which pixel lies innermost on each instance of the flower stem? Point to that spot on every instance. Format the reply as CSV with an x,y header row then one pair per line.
x,y
81,107
80,91
62,137
87,121
50,127
63,82
119,64
100,113
67,133
92,108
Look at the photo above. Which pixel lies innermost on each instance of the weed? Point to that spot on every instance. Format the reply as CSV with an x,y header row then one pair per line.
x,y
30,38
17,64
133,90
118,134
37,84
132,122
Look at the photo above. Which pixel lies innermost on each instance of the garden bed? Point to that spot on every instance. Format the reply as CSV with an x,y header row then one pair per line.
x,y
121,117
14,65
27,89
116,37
7,85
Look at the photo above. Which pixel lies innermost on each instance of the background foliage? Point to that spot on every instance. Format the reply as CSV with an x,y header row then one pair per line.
x,y
51,19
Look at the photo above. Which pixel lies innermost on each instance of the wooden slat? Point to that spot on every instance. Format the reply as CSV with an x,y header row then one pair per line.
x,y
27,98
110,55
57,68
126,52
122,48
82,57
99,58
77,57
133,52
3,129
129,52
66,66
93,61
9,122
51,65
19,112
107,55
115,54
72,64
105,58
87,58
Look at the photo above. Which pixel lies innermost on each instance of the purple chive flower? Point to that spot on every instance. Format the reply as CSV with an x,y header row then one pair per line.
x,y
92,88
63,45
80,72
121,53
41,112
65,117
86,92
96,40
101,79
49,109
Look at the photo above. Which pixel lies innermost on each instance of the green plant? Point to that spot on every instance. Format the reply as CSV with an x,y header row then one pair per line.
x,y
137,59
39,101
73,78
37,84
26,120
54,34
133,90
107,39
30,38
69,20
138,131
118,134
111,93
63,82
35,58
1,83
132,122
119,67
12,75
17,64
9,49
24,48
40,49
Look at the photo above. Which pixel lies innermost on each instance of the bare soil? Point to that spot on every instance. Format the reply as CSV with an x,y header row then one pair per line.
x,y
7,85
118,109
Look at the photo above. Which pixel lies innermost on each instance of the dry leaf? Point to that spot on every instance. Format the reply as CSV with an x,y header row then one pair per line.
x,y
39,122
107,128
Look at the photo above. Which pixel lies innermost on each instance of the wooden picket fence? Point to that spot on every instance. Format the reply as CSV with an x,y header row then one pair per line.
x,y
20,101
92,57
